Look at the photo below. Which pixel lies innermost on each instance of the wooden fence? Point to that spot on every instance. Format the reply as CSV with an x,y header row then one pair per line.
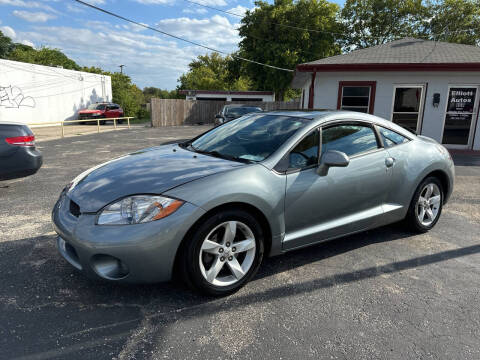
x,y
175,112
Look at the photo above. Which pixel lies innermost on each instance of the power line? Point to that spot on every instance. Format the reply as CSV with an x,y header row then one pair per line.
x,y
178,37
274,23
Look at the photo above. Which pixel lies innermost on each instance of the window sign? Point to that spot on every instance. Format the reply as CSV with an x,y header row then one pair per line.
x,y
461,100
460,115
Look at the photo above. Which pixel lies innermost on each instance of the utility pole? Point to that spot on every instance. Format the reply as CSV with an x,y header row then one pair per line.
x,y
121,68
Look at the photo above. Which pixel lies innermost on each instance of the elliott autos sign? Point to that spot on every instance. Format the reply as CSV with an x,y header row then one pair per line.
x,y
461,100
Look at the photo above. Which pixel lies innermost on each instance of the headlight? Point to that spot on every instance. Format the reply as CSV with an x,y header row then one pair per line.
x,y
138,209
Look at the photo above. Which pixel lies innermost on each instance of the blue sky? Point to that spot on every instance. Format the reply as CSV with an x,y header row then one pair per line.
x,y
95,39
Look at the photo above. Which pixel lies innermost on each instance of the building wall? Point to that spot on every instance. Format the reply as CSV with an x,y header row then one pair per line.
x,y
231,97
36,94
326,94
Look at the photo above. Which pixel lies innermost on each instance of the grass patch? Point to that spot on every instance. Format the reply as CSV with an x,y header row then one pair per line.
x,y
140,121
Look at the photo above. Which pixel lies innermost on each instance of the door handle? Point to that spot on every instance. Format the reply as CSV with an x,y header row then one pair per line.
x,y
389,161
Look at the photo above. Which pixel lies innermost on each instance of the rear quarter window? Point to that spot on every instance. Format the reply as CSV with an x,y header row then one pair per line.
x,y
391,138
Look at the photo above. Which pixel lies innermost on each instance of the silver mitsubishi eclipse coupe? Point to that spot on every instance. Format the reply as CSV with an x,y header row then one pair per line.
x,y
266,183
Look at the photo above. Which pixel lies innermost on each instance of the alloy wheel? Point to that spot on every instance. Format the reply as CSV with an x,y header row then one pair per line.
x,y
428,204
227,253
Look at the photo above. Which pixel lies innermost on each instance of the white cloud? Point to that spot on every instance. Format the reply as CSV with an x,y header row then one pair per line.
x,y
239,10
204,2
214,32
74,8
33,16
8,31
152,59
191,10
28,4
29,43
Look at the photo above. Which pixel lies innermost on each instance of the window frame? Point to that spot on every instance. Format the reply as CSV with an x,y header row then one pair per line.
x,y
421,110
371,100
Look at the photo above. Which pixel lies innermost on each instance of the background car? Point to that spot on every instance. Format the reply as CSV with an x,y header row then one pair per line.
x,y
101,111
232,112
18,155
209,209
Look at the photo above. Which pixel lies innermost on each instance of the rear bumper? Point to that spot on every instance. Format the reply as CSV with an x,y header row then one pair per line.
x,y
24,162
142,253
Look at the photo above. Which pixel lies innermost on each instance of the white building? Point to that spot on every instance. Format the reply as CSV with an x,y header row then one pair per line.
x,y
429,87
265,96
34,93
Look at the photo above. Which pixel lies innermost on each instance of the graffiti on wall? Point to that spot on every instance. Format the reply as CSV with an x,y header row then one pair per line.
x,y
12,97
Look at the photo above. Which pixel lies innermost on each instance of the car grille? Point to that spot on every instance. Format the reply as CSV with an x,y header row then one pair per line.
x,y
74,209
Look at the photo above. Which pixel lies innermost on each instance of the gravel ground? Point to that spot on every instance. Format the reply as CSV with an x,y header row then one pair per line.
x,y
382,294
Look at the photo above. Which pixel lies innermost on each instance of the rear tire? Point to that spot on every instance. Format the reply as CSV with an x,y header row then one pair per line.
x,y
426,206
223,253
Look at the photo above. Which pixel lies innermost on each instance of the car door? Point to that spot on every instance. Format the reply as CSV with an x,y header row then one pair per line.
x,y
347,199
109,111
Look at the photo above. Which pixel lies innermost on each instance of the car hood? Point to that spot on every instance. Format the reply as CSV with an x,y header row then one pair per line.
x,y
149,171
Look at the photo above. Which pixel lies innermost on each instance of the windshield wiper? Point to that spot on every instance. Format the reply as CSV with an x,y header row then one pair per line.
x,y
222,156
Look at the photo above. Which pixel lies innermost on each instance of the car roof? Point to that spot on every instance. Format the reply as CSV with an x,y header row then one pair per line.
x,y
242,105
320,116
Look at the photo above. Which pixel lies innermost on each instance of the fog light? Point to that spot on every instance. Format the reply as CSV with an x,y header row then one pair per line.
x,y
109,267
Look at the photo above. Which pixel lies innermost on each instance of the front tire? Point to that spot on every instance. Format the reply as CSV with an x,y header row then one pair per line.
x,y
426,206
223,253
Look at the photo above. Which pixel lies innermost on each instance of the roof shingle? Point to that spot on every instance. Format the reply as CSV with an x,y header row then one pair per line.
x,y
407,51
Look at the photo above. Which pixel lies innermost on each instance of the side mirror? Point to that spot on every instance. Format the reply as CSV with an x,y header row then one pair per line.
x,y
332,158
218,116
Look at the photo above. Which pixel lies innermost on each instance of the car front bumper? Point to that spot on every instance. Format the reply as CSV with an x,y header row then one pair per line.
x,y
141,253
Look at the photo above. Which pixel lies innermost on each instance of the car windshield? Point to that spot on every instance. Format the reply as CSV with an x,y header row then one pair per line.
x,y
239,111
96,107
249,138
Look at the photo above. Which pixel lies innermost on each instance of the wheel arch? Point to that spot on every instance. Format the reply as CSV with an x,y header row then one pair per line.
x,y
444,180
253,210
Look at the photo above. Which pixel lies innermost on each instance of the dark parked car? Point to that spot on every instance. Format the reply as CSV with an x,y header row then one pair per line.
x,y
101,111
18,156
232,112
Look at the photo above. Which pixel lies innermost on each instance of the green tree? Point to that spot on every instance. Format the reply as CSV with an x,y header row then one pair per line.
x,y
44,56
373,22
270,34
124,92
128,95
212,72
456,21
6,45
153,92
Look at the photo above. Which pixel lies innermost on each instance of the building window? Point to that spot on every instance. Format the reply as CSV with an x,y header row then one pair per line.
x,y
356,96
408,107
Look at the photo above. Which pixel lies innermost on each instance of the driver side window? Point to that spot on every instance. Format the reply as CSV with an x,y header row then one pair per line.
x,y
305,154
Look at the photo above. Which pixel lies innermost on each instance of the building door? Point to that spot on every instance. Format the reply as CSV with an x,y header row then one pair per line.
x,y
408,103
460,116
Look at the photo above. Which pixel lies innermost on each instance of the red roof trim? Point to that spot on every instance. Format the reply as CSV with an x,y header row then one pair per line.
x,y
199,92
390,67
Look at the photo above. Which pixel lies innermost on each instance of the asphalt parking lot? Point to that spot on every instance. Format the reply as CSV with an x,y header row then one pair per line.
x,y
382,294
